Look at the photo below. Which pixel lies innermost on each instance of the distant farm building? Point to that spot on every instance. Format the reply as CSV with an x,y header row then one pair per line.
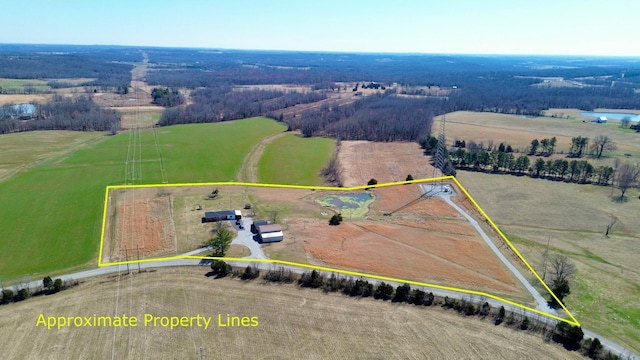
x,y
213,216
268,233
601,120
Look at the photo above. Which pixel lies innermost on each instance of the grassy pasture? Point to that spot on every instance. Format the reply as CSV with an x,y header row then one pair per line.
x,y
295,160
51,215
23,150
20,84
293,323
573,219
42,85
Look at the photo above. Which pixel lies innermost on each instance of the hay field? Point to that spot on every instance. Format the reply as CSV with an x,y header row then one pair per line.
x,y
519,131
573,219
360,161
292,323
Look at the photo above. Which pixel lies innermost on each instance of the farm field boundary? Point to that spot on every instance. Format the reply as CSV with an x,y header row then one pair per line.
x,y
571,321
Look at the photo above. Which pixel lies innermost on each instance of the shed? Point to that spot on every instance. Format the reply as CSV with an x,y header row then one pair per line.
x,y
601,119
270,233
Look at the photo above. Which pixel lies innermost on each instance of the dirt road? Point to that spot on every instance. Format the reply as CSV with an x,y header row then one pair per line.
x,y
249,170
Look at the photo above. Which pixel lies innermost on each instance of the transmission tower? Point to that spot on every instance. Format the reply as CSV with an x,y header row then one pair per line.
x,y
439,158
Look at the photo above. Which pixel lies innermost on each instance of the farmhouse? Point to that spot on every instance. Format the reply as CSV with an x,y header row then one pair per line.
x,y
269,233
213,216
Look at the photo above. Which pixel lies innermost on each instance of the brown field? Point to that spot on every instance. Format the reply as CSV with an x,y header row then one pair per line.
x,y
519,131
293,323
572,219
427,241
360,161
139,116
23,98
141,225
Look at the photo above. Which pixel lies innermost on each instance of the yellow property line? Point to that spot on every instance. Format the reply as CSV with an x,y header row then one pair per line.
x,y
573,320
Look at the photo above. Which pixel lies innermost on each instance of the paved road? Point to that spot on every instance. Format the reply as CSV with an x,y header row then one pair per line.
x,y
245,238
541,302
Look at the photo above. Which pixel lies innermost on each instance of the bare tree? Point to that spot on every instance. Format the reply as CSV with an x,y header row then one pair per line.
x,y
601,143
562,269
627,177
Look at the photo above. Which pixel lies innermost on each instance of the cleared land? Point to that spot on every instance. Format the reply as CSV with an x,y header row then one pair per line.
x,y
292,323
22,98
360,161
422,240
23,150
58,205
519,131
295,160
139,116
572,219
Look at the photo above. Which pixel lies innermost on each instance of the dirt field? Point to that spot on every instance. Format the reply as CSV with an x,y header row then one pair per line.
x,y
141,225
293,323
360,161
422,240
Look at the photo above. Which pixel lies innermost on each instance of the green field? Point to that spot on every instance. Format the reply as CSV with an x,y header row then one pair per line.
x,y
50,215
22,150
20,84
40,85
295,160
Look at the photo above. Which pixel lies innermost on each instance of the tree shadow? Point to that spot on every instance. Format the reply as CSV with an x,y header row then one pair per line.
x,y
619,200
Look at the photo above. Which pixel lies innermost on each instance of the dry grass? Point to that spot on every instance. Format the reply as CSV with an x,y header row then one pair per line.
x,y
139,116
427,241
23,98
293,323
519,131
386,162
573,219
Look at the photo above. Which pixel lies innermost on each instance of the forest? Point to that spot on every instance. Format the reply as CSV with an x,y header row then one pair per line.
x,y
222,103
65,113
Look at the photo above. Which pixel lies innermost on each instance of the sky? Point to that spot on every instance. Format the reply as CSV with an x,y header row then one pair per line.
x,y
532,27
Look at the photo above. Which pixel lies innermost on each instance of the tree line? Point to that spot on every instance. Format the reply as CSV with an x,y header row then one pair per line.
x,y
572,337
65,113
23,292
222,103
106,74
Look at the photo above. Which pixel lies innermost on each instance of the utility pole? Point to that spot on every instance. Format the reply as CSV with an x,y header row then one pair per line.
x,y
126,258
138,251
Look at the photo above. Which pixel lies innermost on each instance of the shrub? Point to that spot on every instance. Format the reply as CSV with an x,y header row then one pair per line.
x,y
383,291
402,293
250,273
279,275
313,279
220,268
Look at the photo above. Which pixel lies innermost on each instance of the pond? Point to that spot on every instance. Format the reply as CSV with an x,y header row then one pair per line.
x,y
350,204
616,116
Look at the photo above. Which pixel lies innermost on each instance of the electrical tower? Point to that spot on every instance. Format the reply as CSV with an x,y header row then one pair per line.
x,y
439,157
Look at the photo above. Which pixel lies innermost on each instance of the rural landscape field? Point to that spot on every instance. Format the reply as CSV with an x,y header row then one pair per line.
x,y
115,156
